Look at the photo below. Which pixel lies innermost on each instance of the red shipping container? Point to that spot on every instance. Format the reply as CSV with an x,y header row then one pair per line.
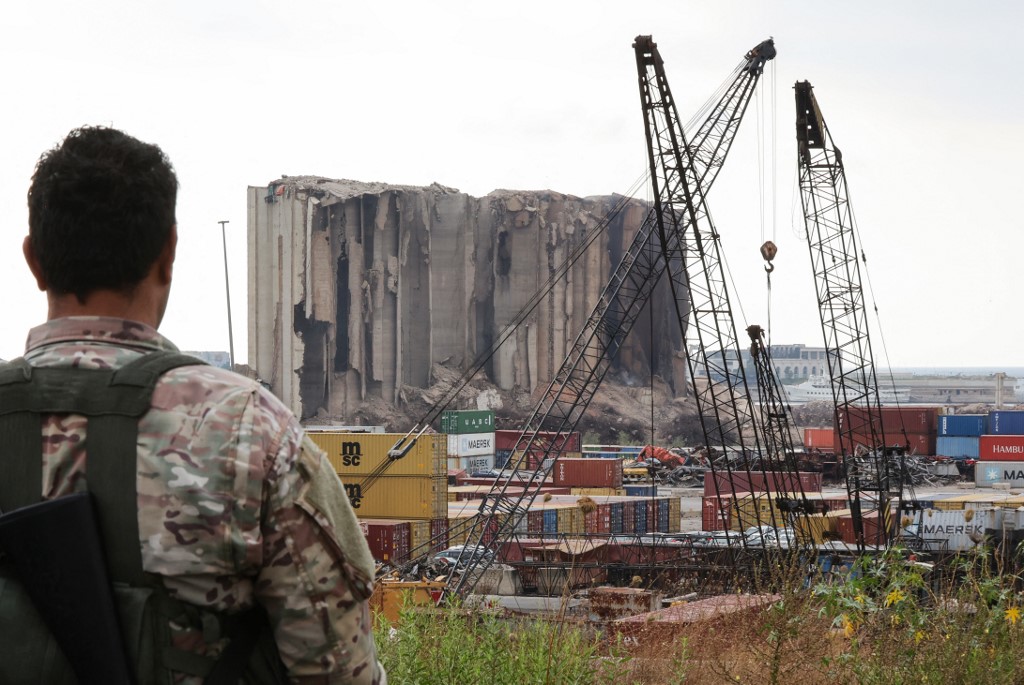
x,y
534,521
563,442
388,540
1001,448
438,534
599,520
894,420
819,438
588,473
872,532
628,518
757,481
716,513
919,443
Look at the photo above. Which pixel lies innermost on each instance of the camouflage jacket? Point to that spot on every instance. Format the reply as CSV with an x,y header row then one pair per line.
x,y
236,504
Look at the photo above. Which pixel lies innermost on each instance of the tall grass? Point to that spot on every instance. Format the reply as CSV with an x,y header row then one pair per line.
x,y
888,622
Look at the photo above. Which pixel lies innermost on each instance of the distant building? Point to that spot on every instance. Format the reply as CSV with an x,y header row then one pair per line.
x,y
222,360
793,363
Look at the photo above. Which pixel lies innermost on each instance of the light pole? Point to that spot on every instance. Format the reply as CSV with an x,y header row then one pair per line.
x,y
227,290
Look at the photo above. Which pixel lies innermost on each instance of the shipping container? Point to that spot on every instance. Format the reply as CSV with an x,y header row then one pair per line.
x,y
598,492
819,439
962,425
599,520
641,490
757,481
419,538
873,530
675,518
957,446
716,513
921,443
615,514
1005,422
1004,447
439,534
471,465
640,520
894,420
559,442
629,517
952,530
399,497
601,473
360,454
987,473
467,421
471,445
388,540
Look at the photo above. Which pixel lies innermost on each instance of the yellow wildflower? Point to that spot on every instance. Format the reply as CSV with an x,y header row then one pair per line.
x,y
918,636
1012,615
859,599
894,597
848,627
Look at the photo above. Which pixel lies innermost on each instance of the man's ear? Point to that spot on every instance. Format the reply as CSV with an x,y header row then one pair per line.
x,y
33,263
165,263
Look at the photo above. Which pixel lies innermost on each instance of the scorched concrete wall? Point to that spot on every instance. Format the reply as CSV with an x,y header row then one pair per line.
x,y
357,289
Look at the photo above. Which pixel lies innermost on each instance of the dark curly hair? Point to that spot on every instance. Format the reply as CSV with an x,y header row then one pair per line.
x,y
100,210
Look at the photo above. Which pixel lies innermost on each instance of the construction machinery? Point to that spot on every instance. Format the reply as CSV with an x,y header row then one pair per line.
x,y
678,229
873,476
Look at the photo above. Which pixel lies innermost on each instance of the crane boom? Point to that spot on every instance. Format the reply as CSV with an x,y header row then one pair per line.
x,y
629,289
872,482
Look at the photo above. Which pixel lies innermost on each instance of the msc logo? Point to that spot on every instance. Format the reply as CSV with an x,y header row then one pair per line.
x,y
351,454
355,494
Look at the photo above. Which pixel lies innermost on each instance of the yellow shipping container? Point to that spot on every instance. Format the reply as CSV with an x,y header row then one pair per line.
x,y
570,520
398,497
820,527
674,515
360,454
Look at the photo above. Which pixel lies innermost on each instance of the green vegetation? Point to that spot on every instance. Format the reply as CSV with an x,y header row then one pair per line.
x,y
888,622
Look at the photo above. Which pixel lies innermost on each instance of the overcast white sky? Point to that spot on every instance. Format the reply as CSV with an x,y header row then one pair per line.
x,y
923,97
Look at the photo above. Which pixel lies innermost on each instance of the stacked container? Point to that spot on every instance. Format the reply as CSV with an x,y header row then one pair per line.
x,y
918,422
959,435
413,487
1001,450
471,441
559,444
588,473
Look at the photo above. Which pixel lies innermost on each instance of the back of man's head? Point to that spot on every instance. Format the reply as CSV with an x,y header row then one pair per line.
x,y
101,209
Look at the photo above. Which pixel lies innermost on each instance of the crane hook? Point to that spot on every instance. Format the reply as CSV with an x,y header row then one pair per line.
x,y
768,251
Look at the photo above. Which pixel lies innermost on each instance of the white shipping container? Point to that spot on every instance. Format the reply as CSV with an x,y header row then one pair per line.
x,y
472,465
988,472
471,445
956,530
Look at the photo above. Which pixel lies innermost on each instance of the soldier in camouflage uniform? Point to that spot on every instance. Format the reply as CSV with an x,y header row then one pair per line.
x,y
236,505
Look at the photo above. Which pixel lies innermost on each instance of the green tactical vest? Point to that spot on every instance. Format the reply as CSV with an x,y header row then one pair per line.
x,y
113,401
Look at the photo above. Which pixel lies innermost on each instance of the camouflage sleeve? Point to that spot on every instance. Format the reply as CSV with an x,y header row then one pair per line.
x,y
317,570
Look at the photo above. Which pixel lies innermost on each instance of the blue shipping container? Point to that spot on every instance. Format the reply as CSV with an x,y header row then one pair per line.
x,y
641,490
957,446
551,520
663,518
1006,422
640,518
963,425
615,508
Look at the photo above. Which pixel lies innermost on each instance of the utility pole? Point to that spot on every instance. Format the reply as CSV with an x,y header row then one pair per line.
x,y
227,291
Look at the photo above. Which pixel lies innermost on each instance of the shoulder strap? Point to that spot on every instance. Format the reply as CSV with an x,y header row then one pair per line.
x,y
113,401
